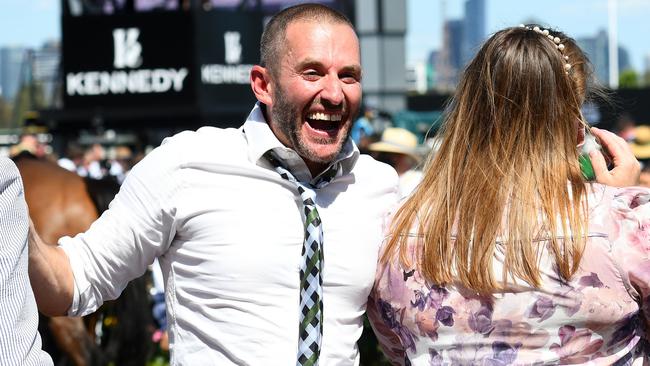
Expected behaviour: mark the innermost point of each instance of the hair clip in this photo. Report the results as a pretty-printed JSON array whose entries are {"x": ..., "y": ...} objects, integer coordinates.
[{"x": 556, "y": 40}]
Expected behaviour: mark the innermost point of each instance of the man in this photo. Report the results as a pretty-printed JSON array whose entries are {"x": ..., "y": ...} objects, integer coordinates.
[
  {"x": 363, "y": 129},
  {"x": 220, "y": 210},
  {"x": 20, "y": 343},
  {"x": 229, "y": 230}
]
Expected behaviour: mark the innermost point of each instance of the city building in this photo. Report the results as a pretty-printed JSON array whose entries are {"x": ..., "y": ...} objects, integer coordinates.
[
  {"x": 461, "y": 38},
  {"x": 11, "y": 63},
  {"x": 597, "y": 49},
  {"x": 381, "y": 26},
  {"x": 417, "y": 77},
  {"x": 46, "y": 63},
  {"x": 473, "y": 28},
  {"x": 450, "y": 61}
]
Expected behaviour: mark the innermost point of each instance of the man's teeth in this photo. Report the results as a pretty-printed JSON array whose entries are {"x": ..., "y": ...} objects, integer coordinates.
[{"x": 324, "y": 116}]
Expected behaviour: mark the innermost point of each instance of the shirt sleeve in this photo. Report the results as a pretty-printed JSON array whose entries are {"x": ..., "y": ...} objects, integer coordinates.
[
  {"x": 630, "y": 233},
  {"x": 138, "y": 227}
]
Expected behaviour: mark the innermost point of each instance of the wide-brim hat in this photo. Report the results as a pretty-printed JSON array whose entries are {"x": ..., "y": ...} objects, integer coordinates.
[
  {"x": 641, "y": 144},
  {"x": 399, "y": 141}
]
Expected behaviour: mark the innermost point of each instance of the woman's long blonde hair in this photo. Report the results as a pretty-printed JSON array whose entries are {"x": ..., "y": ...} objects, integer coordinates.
[{"x": 506, "y": 171}]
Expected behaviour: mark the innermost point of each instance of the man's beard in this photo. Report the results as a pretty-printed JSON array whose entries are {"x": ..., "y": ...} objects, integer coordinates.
[{"x": 288, "y": 119}]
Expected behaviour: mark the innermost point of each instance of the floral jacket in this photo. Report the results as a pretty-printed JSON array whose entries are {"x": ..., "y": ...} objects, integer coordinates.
[{"x": 597, "y": 318}]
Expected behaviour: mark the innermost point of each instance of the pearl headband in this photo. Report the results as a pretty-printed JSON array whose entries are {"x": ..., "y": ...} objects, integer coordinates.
[{"x": 556, "y": 40}]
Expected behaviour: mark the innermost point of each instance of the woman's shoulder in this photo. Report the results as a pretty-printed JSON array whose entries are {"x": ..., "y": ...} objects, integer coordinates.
[
  {"x": 612, "y": 205},
  {"x": 622, "y": 215}
]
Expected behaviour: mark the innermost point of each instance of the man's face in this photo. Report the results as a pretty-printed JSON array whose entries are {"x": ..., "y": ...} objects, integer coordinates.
[{"x": 316, "y": 92}]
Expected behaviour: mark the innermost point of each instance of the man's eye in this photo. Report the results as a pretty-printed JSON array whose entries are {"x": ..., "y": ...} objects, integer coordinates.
[{"x": 349, "y": 78}]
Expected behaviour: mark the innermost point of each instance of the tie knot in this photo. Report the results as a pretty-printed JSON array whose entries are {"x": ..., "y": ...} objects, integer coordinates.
[{"x": 319, "y": 182}]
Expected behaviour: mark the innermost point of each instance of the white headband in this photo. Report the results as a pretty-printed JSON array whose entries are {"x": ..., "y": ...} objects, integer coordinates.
[{"x": 556, "y": 41}]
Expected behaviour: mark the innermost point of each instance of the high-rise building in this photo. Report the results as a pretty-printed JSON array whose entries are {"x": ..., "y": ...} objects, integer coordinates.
[
  {"x": 473, "y": 28},
  {"x": 461, "y": 39},
  {"x": 381, "y": 25},
  {"x": 597, "y": 50},
  {"x": 451, "y": 55},
  {"x": 11, "y": 64},
  {"x": 417, "y": 77},
  {"x": 45, "y": 71}
]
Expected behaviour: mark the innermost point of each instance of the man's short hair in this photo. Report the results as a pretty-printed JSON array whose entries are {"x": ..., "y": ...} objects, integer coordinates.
[{"x": 273, "y": 37}]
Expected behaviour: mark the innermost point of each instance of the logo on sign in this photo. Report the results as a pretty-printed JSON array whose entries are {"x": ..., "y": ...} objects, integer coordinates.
[
  {"x": 232, "y": 72},
  {"x": 127, "y": 49},
  {"x": 233, "y": 47},
  {"x": 128, "y": 54}
]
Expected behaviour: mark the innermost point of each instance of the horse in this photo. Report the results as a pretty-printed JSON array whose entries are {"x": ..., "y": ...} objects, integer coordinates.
[{"x": 61, "y": 203}]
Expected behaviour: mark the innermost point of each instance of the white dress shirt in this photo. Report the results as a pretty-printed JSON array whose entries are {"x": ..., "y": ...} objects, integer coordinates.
[
  {"x": 228, "y": 231},
  {"x": 20, "y": 343}
]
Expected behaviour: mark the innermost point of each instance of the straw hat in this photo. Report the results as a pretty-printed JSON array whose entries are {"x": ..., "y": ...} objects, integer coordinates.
[
  {"x": 397, "y": 140},
  {"x": 641, "y": 144}
]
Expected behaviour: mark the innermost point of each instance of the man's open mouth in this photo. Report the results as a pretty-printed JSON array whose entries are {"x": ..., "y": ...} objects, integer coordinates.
[{"x": 326, "y": 122}]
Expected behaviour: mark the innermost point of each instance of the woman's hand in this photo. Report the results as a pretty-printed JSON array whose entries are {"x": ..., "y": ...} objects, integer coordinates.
[{"x": 626, "y": 168}]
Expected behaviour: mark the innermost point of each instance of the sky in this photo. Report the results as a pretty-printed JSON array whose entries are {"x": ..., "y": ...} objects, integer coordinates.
[
  {"x": 32, "y": 22},
  {"x": 577, "y": 18}
]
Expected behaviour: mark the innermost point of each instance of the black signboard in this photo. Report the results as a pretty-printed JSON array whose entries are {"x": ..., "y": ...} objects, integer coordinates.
[
  {"x": 130, "y": 60},
  {"x": 227, "y": 48}
]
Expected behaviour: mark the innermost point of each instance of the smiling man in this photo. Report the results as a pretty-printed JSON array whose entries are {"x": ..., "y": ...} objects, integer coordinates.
[
  {"x": 267, "y": 235},
  {"x": 314, "y": 93}
]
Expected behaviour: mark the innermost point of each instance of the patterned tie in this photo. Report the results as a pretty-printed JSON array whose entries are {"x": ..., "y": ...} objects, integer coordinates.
[{"x": 311, "y": 268}]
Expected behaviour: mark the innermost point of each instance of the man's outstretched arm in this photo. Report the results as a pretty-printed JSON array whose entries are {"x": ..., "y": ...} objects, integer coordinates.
[{"x": 50, "y": 274}]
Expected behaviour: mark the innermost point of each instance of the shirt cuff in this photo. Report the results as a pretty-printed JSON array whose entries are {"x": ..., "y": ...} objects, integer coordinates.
[{"x": 81, "y": 283}]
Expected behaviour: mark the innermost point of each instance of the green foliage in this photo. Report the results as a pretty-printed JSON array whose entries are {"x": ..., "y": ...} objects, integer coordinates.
[
  {"x": 28, "y": 98},
  {"x": 646, "y": 79},
  {"x": 159, "y": 361},
  {"x": 628, "y": 79},
  {"x": 5, "y": 114},
  {"x": 369, "y": 350}
]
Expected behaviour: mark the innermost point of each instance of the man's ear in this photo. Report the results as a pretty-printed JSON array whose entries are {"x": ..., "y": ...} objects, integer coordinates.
[{"x": 261, "y": 84}]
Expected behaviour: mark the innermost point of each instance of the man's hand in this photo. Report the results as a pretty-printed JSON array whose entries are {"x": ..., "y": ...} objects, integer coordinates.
[{"x": 626, "y": 168}]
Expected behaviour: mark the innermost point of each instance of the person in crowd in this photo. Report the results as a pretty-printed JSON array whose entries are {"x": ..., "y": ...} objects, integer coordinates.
[
  {"x": 640, "y": 145},
  {"x": 505, "y": 254},
  {"x": 120, "y": 162},
  {"x": 363, "y": 129},
  {"x": 73, "y": 158},
  {"x": 398, "y": 148},
  {"x": 625, "y": 127},
  {"x": 252, "y": 227},
  {"x": 94, "y": 162},
  {"x": 20, "y": 343},
  {"x": 29, "y": 143}
]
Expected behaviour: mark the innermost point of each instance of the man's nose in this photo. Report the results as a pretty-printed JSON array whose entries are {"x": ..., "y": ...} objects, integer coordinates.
[{"x": 332, "y": 92}]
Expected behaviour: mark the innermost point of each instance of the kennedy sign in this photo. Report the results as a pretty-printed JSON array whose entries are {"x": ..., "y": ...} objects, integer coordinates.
[
  {"x": 197, "y": 61},
  {"x": 228, "y": 44},
  {"x": 129, "y": 60},
  {"x": 127, "y": 54},
  {"x": 233, "y": 72}
]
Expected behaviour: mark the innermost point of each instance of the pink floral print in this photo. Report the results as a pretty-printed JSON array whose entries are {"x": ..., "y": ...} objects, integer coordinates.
[{"x": 596, "y": 318}]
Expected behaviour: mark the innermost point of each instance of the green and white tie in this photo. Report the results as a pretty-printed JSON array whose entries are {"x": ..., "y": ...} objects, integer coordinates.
[{"x": 311, "y": 268}]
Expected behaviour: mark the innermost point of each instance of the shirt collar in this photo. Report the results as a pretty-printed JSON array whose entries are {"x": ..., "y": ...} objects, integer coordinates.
[{"x": 261, "y": 139}]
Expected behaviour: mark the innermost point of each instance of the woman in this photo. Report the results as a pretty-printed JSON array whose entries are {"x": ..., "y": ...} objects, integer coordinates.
[{"x": 505, "y": 255}]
